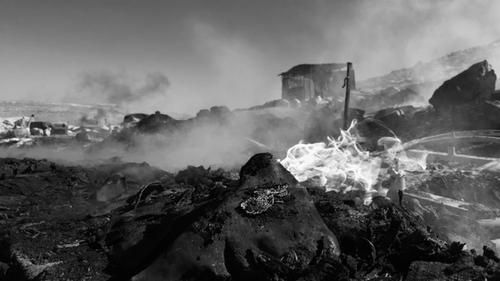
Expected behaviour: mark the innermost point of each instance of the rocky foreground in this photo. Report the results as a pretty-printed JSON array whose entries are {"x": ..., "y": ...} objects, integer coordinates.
[{"x": 142, "y": 223}]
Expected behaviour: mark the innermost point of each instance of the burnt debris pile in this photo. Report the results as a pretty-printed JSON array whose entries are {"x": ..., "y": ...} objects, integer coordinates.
[{"x": 203, "y": 224}]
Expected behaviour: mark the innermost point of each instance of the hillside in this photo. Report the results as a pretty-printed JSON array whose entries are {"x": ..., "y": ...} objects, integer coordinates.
[{"x": 436, "y": 70}]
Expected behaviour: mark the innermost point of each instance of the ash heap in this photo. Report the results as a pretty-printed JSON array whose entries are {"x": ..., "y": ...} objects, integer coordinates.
[{"x": 380, "y": 185}]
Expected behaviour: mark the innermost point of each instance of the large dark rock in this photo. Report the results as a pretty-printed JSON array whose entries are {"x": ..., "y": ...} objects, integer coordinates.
[
  {"x": 267, "y": 228},
  {"x": 475, "y": 84},
  {"x": 157, "y": 122}
]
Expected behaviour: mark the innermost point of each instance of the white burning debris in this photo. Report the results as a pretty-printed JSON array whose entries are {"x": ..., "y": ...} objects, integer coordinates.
[
  {"x": 342, "y": 165},
  {"x": 333, "y": 163}
]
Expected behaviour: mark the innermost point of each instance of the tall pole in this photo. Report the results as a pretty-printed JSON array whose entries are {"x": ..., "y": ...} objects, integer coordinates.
[{"x": 347, "y": 96}]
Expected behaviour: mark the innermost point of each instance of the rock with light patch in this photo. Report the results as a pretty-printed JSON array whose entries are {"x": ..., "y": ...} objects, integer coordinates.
[{"x": 226, "y": 242}]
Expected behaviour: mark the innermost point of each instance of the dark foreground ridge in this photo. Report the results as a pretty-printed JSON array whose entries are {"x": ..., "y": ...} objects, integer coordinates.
[{"x": 141, "y": 223}]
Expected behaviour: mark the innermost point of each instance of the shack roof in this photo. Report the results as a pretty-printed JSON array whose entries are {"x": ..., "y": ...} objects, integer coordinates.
[{"x": 307, "y": 69}]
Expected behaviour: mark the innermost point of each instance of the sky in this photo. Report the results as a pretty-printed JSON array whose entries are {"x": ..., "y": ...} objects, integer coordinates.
[{"x": 182, "y": 56}]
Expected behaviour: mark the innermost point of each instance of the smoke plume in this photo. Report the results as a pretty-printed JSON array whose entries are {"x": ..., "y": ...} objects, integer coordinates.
[{"x": 119, "y": 88}]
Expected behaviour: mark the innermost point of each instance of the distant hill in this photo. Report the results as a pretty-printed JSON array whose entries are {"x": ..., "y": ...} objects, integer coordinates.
[
  {"x": 57, "y": 112},
  {"x": 67, "y": 112},
  {"x": 435, "y": 71},
  {"x": 415, "y": 85}
]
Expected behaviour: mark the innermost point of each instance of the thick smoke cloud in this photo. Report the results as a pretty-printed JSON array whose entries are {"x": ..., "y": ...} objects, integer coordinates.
[
  {"x": 381, "y": 36},
  {"x": 119, "y": 88},
  {"x": 377, "y": 36},
  {"x": 227, "y": 143}
]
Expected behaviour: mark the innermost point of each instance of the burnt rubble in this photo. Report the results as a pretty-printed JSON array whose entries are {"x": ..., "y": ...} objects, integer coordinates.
[
  {"x": 193, "y": 226},
  {"x": 467, "y": 101}
]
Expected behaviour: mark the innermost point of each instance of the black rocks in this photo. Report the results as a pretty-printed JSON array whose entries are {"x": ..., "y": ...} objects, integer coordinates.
[
  {"x": 284, "y": 240},
  {"x": 473, "y": 85}
]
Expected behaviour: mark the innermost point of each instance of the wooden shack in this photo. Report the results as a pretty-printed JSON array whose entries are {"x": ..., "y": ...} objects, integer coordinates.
[{"x": 307, "y": 81}]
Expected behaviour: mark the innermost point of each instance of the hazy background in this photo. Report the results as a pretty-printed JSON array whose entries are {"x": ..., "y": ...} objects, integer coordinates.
[{"x": 185, "y": 55}]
